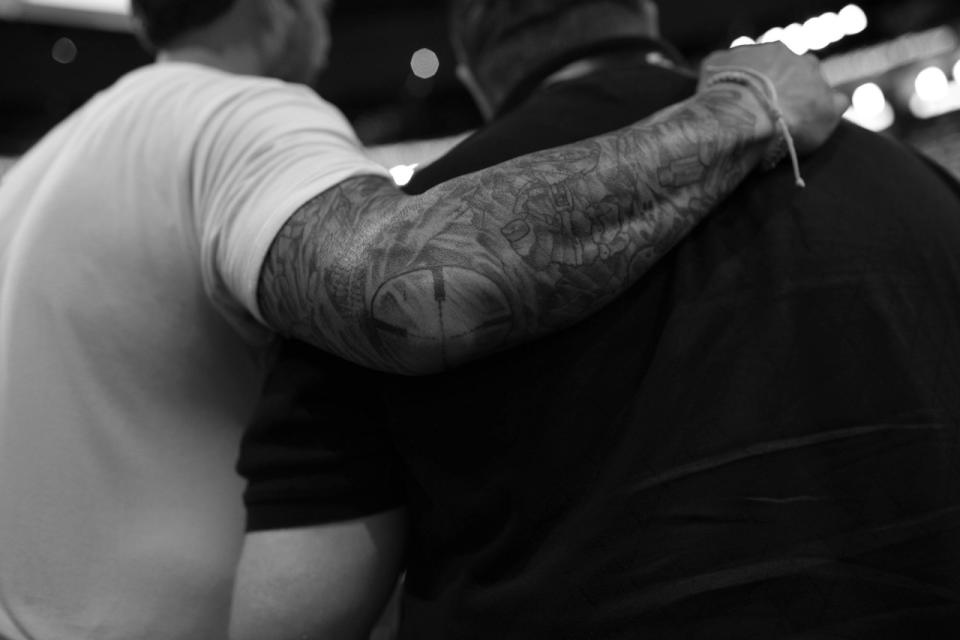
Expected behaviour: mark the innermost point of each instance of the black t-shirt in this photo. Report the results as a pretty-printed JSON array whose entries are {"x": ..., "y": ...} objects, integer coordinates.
[{"x": 760, "y": 439}]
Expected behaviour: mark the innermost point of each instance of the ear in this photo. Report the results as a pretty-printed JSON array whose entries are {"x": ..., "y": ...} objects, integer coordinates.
[
  {"x": 468, "y": 80},
  {"x": 651, "y": 15},
  {"x": 141, "y": 34},
  {"x": 275, "y": 18}
]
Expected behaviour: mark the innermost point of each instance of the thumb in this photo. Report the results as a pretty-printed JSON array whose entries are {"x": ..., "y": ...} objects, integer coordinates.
[{"x": 840, "y": 102}]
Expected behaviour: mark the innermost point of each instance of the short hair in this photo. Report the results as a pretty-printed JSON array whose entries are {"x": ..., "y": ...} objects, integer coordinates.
[
  {"x": 503, "y": 42},
  {"x": 163, "y": 21}
]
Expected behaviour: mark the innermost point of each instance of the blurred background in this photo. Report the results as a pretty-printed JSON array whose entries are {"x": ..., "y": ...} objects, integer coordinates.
[{"x": 392, "y": 70}]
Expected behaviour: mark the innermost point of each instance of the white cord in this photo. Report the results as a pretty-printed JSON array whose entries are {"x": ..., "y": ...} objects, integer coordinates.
[{"x": 767, "y": 92}]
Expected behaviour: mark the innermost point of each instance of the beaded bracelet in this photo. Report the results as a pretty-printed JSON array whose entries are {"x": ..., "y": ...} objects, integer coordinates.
[{"x": 765, "y": 90}]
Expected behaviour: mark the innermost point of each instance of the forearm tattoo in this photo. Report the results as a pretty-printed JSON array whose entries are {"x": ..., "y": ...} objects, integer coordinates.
[{"x": 502, "y": 256}]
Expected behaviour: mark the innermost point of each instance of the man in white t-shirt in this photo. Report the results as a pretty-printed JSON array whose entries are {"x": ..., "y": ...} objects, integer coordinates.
[{"x": 153, "y": 243}]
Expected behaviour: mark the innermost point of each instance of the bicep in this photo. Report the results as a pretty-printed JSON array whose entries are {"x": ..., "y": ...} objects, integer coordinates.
[
  {"x": 314, "y": 284},
  {"x": 327, "y": 581},
  {"x": 382, "y": 279}
]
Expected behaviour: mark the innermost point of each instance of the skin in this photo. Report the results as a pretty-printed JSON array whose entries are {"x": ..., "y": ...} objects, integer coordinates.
[
  {"x": 535, "y": 237},
  {"x": 489, "y": 91},
  {"x": 284, "y": 39},
  {"x": 329, "y": 581},
  {"x": 307, "y": 46},
  {"x": 500, "y": 256},
  {"x": 416, "y": 285},
  {"x": 420, "y": 284}
]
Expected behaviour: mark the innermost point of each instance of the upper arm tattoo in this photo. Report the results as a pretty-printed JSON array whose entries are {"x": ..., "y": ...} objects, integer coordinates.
[{"x": 482, "y": 262}]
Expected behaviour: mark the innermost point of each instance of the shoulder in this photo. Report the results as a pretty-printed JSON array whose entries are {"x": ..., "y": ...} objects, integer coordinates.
[{"x": 199, "y": 87}]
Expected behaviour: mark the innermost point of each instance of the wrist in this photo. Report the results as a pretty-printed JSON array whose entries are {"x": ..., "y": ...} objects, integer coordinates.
[
  {"x": 762, "y": 89},
  {"x": 764, "y": 133}
]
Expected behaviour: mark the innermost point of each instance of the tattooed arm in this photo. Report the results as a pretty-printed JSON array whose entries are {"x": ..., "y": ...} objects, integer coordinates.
[{"x": 419, "y": 284}]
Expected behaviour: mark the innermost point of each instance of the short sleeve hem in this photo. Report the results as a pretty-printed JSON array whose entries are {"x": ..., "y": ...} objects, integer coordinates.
[
  {"x": 249, "y": 275},
  {"x": 294, "y": 515}
]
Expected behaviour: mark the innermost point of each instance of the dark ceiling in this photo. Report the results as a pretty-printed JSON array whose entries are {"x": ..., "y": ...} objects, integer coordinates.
[{"x": 369, "y": 75}]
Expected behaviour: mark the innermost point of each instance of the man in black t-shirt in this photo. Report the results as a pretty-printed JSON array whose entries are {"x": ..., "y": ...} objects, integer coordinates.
[{"x": 758, "y": 440}]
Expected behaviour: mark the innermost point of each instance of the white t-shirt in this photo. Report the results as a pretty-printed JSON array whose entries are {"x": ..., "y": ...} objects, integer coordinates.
[{"x": 131, "y": 240}]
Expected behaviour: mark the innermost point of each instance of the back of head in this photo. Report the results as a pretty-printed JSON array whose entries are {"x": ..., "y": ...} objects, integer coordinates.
[
  {"x": 163, "y": 21},
  {"x": 504, "y": 42}
]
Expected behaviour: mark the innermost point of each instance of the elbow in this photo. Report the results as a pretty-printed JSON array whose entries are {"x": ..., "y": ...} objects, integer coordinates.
[{"x": 433, "y": 319}]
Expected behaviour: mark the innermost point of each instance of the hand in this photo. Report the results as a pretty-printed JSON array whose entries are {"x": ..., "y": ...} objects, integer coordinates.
[{"x": 810, "y": 107}]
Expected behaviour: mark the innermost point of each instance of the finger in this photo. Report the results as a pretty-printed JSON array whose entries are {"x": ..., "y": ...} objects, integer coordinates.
[
  {"x": 711, "y": 60},
  {"x": 777, "y": 47}
]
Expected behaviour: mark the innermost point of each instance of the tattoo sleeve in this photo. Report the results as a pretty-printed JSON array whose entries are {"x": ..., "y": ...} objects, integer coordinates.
[{"x": 416, "y": 285}]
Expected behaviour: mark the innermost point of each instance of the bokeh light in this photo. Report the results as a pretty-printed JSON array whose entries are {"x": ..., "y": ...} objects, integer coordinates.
[
  {"x": 403, "y": 173},
  {"x": 869, "y": 108},
  {"x": 773, "y": 35},
  {"x": 120, "y": 7},
  {"x": 932, "y": 84},
  {"x": 64, "y": 51},
  {"x": 868, "y": 100},
  {"x": 424, "y": 63},
  {"x": 796, "y": 39},
  {"x": 853, "y": 20}
]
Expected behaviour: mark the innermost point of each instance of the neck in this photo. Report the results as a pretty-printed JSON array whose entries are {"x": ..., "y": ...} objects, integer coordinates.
[
  {"x": 232, "y": 60},
  {"x": 230, "y": 43},
  {"x": 586, "y": 66},
  {"x": 573, "y": 70},
  {"x": 585, "y": 60}
]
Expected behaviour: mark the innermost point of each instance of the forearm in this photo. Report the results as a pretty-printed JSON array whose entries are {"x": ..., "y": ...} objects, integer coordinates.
[{"x": 505, "y": 255}]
